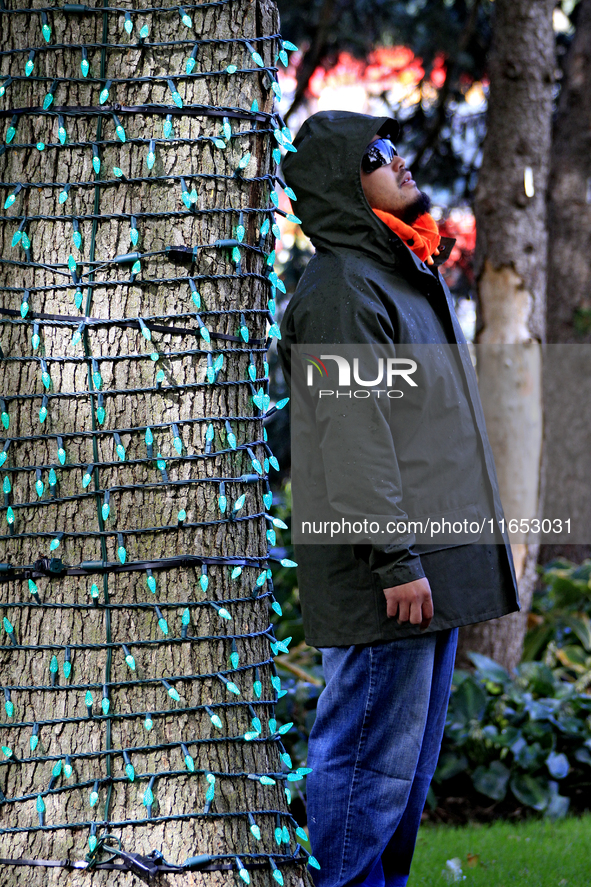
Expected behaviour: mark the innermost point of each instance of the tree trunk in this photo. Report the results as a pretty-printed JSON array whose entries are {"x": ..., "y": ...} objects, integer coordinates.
[
  {"x": 568, "y": 455},
  {"x": 61, "y": 619},
  {"x": 511, "y": 273}
]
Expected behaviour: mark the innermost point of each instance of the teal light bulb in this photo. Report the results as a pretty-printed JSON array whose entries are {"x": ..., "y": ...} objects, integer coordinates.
[
  {"x": 130, "y": 772},
  {"x": 84, "y": 67}
]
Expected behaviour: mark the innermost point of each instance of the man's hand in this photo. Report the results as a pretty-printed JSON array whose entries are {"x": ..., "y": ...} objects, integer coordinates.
[{"x": 411, "y": 602}]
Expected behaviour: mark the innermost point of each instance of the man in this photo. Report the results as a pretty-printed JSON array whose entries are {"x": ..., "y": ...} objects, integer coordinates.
[{"x": 385, "y": 615}]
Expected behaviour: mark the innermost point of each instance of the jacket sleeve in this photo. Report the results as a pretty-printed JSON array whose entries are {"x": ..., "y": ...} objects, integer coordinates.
[{"x": 354, "y": 436}]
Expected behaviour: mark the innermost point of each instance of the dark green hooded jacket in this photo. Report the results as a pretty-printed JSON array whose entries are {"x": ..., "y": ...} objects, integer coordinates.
[{"x": 365, "y": 286}]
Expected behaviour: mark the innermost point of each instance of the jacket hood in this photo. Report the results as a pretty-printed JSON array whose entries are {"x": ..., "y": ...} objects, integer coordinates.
[{"x": 325, "y": 175}]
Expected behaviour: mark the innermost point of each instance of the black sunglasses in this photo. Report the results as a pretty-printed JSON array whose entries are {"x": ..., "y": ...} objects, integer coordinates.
[{"x": 378, "y": 153}]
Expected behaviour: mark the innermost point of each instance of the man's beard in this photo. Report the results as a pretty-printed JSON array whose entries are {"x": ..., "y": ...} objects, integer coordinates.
[{"x": 421, "y": 205}]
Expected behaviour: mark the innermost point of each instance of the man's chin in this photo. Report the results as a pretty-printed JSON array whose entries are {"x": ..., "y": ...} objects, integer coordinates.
[{"x": 419, "y": 205}]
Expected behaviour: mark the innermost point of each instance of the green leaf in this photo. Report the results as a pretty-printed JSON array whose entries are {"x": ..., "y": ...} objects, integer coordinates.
[
  {"x": 489, "y": 669},
  {"x": 469, "y": 700},
  {"x": 491, "y": 781},
  {"x": 529, "y": 757},
  {"x": 450, "y": 765},
  {"x": 539, "y": 677},
  {"x": 583, "y": 755},
  {"x": 558, "y": 765},
  {"x": 581, "y": 625},
  {"x": 558, "y": 804},
  {"x": 531, "y": 791}
]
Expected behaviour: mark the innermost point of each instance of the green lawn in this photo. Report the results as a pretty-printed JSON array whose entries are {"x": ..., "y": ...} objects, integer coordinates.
[{"x": 536, "y": 854}]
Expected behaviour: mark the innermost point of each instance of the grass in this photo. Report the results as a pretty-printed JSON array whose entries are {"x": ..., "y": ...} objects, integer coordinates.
[{"x": 535, "y": 853}]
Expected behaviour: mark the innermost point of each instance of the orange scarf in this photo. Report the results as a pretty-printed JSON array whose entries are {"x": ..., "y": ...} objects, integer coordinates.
[{"x": 422, "y": 237}]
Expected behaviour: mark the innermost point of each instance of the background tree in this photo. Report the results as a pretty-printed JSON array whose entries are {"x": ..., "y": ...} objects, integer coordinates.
[
  {"x": 107, "y": 431},
  {"x": 569, "y": 288},
  {"x": 511, "y": 248}
]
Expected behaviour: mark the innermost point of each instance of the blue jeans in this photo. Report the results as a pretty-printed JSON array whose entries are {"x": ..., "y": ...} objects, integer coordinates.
[{"x": 373, "y": 749}]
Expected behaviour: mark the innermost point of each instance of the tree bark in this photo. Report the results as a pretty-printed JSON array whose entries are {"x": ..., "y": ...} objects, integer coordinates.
[
  {"x": 511, "y": 275},
  {"x": 566, "y": 409},
  {"x": 126, "y": 614}
]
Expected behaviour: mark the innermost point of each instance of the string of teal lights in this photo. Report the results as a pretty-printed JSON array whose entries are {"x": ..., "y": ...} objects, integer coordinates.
[{"x": 41, "y": 458}]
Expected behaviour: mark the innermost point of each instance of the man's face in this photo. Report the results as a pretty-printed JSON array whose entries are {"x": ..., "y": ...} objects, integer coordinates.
[{"x": 391, "y": 188}]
